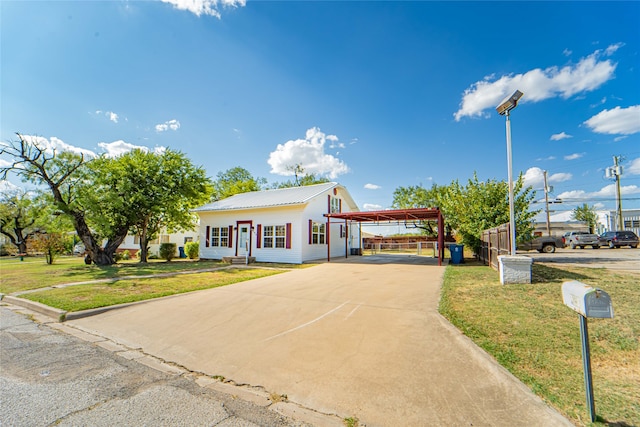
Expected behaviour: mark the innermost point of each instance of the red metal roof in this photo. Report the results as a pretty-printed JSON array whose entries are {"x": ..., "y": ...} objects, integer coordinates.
[{"x": 414, "y": 214}]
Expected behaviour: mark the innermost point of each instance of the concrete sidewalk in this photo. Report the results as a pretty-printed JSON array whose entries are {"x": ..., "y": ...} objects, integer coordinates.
[{"x": 356, "y": 338}]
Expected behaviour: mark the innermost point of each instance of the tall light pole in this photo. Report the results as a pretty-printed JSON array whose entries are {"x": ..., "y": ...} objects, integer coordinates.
[
  {"x": 546, "y": 201},
  {"x": 504, "y": 109}
]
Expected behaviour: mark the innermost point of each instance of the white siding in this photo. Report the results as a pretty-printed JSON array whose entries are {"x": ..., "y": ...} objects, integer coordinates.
[
  {"x": 154, "y": 248},
  {"x": 218, "y": 219}
]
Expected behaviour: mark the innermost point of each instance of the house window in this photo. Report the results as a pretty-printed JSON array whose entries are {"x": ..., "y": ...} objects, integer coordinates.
[
  {"x": 318, "y": 233},
  {"x": 274, "y": 236},
  {"x": 335, "y": 205},
  {"x": 220, "y": 237},
  {"x": 164, "y": 238},
  {"x": 188, "y": 239}
]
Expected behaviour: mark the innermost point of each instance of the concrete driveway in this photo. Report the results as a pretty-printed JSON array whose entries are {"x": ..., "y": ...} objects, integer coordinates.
[{"x": 358, "y": 338}]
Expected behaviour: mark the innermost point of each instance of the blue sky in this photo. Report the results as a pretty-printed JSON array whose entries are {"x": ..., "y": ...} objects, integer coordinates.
[{"x": 371, "y": 94}]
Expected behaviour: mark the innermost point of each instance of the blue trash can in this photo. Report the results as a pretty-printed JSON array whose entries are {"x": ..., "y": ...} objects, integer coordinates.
[
  {"x": 457, "y": 254},
  {"x": 181, "y": 251}
]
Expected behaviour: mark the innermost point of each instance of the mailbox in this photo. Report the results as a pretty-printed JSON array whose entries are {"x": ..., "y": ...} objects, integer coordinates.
[{"x": 588, "y": 301}]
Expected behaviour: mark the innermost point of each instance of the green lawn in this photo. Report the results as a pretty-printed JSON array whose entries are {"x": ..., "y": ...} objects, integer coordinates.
[
  {"x": 34, "y": 272},
  {"x": 529, "y": 330},
  {"x": 83, "y": 297}
]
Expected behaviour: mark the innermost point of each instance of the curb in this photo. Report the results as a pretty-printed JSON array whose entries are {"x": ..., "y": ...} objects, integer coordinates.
[{"x": 55, "y": 313}]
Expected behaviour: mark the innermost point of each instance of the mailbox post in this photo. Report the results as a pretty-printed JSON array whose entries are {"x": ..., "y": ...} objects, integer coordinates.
[{"x": 587, "y": 302}]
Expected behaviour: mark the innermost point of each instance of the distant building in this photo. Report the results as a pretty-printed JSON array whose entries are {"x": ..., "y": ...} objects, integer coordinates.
[
  {"x": 630, "y": 218},
  {"x": 607, "y": 221},
  {"x": 131, "y": 243}
]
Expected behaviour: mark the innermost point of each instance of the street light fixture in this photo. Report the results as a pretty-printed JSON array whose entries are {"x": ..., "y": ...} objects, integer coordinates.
[{"x": 504, "y": 109}]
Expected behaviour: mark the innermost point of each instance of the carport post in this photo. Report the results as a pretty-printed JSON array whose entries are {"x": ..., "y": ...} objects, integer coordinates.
[
  {"x": 346, "y": 239},
  {"x": 328, "y": 239},
  {"x": 440, "y": 237}
]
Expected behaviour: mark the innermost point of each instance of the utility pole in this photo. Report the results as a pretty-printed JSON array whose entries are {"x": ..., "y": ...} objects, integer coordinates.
[
  {"x": 546, "y": 201},
  {"x": 615, "y": 171}
]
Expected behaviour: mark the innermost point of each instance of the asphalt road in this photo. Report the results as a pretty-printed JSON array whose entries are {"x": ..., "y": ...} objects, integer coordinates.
[
  {"x": 622, "y": 259},
  {"x": 51, "y": 378}
]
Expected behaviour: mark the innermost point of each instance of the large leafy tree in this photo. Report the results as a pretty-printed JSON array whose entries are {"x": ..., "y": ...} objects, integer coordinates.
[
  {"x": 156, "y": 191},
  {"x": 472, "y": 208},
  {"x": 235, "y": 181},
  {"x": 66, "y": 175},
  {"x": 587, "y": 214},
  {"x": 480, "y": 205}
]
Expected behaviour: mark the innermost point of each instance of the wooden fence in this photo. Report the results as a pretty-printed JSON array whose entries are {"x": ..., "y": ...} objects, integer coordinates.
[{"x": 495, "y": 242}]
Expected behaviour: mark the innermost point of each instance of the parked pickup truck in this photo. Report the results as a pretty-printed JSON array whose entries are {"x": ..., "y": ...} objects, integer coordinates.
[
  {"x": 581, "y": 239},
  {"x": 546, "y": 244}
]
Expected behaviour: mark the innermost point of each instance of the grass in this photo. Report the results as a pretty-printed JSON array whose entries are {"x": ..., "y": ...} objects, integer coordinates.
[
  {"x": 34, "y": 273},
  {"x": 529, "y": 331},
  {"x": 83, "y": 297}
]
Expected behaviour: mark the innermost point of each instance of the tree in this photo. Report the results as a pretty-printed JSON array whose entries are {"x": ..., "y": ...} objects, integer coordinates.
[
  {"x": 51, "y": 244},
  {"x": 472, "y": 208},
  {"x": 479, "y": 206},
  {"x": 66, "y": 175},
  {"x": 301, "y": 178},
  {"x": 21, "y": 216},
  {"x": 419, "y": 197},
  {"x": 157, "y": 191},
  {"x": 587, "y": 214},
  {"x": 235, "y": 181}
]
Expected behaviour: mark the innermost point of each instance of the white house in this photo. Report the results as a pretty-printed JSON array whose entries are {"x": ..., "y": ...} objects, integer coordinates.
[{"x": 283, "y": 225}]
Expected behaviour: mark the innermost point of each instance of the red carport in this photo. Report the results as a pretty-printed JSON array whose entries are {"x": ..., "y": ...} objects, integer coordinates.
[{"x": 389, "y": 216}]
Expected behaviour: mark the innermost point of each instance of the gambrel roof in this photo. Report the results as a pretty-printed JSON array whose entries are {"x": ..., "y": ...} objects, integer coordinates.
[{"x": 276, "y": 198}]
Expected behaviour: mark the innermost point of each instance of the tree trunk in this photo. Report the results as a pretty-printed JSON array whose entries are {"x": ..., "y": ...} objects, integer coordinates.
[
  {"x": 144, "y": 251},
  {"x": 144, "y": 243}
]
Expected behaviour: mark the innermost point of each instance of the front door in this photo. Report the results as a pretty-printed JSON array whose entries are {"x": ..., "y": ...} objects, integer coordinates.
[{"x": 243, "y": 239}]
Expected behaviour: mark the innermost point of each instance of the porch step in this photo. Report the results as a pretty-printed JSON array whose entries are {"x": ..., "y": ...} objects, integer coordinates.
[{"x": 238, "y": 259}]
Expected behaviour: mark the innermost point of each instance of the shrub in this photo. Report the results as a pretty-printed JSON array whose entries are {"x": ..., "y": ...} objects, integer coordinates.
[
  {"x": 167, "y": 251},
  {"x": 192, "y": 249},
  {"x": 123, "y": 255}
]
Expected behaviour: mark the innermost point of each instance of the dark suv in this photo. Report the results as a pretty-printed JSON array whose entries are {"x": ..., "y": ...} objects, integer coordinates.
[{"x": 615, "y": 239}]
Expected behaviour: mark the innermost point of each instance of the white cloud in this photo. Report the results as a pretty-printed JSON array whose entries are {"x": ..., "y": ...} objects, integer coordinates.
[
  {"x": 567, "y": 52},
  {"x": 560, "y": 136},
  {"x": 560, "y": 177},
  {"x": 55, "y": 145},
  {"x": 624, "y": 121},
  {"x": 309, "y": 153},
  {"x": 371, "y": 207},
  {"x": 372, "y": 187},
  {"x": 5, "y": 164},
  {"x": 573, "y": 156},
  {"x": 611, "y": 49},
  {"x": 205, "y": 7},
  {"x": 607, "y": 191},
  {"x": 634, "y": 167},
  {"x": 170, "y": 124},
  {"x": 546, "y": 158},
  {"x": 109, "y": 114},
  {"x": 117, "y": 148},
  {"x": 112, "y": 116},
  {"x": 7, "y": 187},
  {"x": 535, "y": 178},
  {"x": 537, "y": 85}
]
